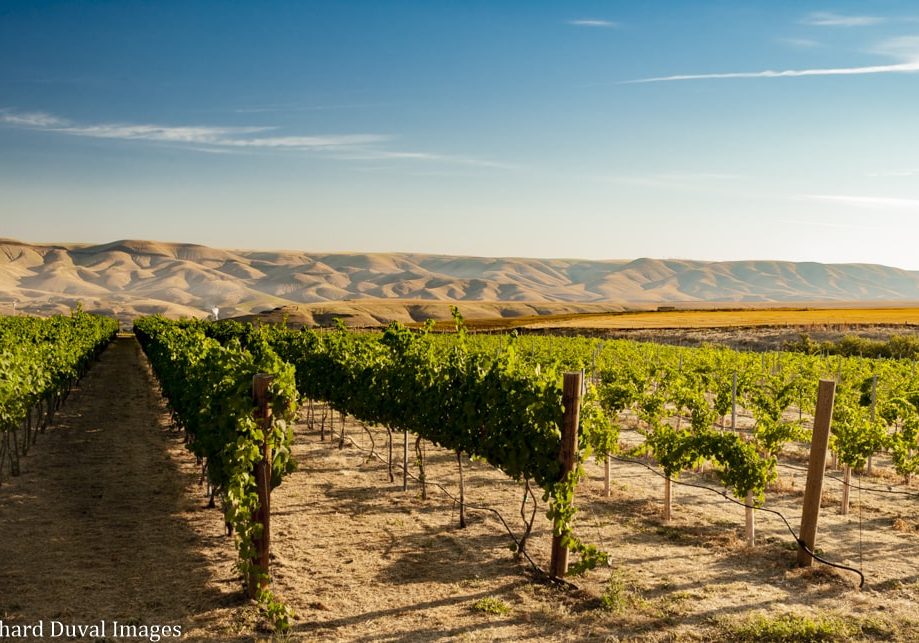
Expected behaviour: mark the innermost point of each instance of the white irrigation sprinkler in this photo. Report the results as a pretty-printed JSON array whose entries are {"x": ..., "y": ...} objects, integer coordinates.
[{"x": 216, "y": 312}]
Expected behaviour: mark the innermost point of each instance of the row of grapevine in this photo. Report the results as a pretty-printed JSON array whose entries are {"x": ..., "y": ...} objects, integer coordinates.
[
  {"x": 40, "y": 360},
  {"x": 209, "y": 388}
]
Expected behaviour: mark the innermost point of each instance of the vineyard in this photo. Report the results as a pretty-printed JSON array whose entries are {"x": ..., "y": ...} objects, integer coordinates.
[
  {"x": 40, "y": 360},
  {"x": 682, "y": 487},
  {"x": 499, "y": 400}
]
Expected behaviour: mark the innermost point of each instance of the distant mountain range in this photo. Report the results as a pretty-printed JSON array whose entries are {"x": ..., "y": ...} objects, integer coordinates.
[{"x": 141, "y": 277}]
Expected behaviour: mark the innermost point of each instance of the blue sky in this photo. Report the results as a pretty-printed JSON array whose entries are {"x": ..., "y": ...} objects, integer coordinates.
[{"x": 611, "y": 130}]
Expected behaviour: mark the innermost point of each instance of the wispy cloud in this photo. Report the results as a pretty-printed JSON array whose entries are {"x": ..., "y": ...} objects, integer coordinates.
[
  {"x": 295, "y": 107},
  {"x": 801, "y": 43},
  {"x": 196, "y": 134},
  {"x": 872, "y": 202},
  {"x": 217, "y": 139},
  {"x": 905, "y": 49},
  {"x": 899, "y": 68},
  {"x": 30, "y": 119},
  {"x": 376, "y": 155},
  {"x": 192, "y": 134},
  {"x": 308, "y": 142},
  {"x": 829, "y": 19},
  {"x": 593, "y": 23}
]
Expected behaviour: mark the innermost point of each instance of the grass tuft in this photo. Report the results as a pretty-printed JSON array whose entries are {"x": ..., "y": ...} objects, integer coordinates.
[
  {"x": 492, "y": 605},
  {"x": 794, "y": 628},
  {"x": 621, "y": 594}
]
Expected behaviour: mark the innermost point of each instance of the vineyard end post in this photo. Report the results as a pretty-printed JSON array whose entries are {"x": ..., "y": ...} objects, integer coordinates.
[
  {"x": 814, "y": 489},
  {"x": 571, "y": 400},
  {"x": 259, "y": 578}
]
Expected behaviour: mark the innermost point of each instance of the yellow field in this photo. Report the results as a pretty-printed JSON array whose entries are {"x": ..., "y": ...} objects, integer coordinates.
[
  {"x": 704, "y": 319},
  {"x": 732, "y": 318}
]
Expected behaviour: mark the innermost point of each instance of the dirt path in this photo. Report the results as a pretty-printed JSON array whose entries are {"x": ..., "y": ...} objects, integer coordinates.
[{"x": 107, "y": 521}]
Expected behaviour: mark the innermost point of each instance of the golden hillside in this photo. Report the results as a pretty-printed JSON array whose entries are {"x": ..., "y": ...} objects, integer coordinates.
[{"x": 130, "y": 278}]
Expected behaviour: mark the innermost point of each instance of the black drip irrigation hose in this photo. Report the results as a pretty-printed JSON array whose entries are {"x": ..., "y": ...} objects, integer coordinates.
[
  {"x": 543, "y": 574},
  {"x": 724, "y": 494},
  {"x": 842, "y": 481},
  {"x": 565, "y": 583}
]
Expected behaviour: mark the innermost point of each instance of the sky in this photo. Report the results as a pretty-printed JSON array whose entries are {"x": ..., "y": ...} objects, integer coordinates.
[{"x": 602, "y": 130}]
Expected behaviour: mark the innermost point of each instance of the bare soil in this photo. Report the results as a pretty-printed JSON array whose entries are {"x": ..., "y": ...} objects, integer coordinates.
[
  {"x": 107, "y": 521},
  {"x": 384, "y": 565}
]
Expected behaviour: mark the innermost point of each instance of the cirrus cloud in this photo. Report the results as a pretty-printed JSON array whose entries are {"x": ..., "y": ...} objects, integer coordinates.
[
  {"x": 904, "y": 49},
  {"x": 607, "y": 24},
  {"x": 217, "y": 139},
  {"x": 898, "y": 68},
  {"x": 830, "y": 19},
  {"x": 218, "y": 136}
]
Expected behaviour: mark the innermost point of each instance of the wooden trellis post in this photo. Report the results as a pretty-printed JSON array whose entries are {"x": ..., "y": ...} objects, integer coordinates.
[
  {"x": 259, "y": 578},
  {"x": 814, "y": 489},
  {"x": 571, "y": 400}
]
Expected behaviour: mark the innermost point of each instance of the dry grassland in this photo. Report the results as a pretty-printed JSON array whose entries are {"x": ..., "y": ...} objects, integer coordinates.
[{"x": 693, "y": 319}]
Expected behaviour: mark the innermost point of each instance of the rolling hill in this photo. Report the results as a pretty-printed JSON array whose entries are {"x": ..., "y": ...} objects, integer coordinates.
[{"x": 130, "y": 278}]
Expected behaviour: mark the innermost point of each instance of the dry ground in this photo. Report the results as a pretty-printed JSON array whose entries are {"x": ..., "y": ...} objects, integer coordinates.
[
  {"x": 108, "y": 521},
  {"x": 381, "y": 564}
]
